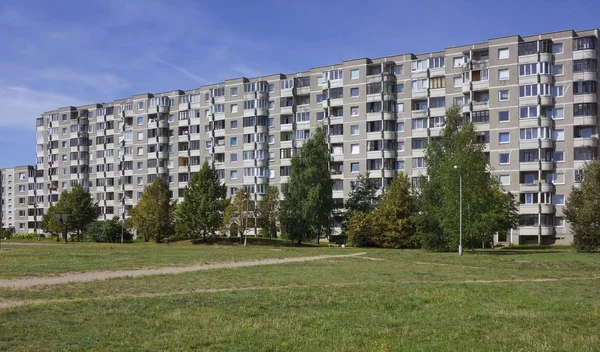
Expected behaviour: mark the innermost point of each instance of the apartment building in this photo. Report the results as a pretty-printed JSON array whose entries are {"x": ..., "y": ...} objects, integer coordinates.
[
  {"x": 19, "y": 207},
  {"x": 533, "y": 99}
]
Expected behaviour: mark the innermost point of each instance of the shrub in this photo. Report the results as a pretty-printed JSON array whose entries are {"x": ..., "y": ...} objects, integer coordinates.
[{"x": 5, "y": 234}]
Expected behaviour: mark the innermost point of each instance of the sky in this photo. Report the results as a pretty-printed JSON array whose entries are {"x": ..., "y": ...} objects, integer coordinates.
[{"x": 73, "y": 52}]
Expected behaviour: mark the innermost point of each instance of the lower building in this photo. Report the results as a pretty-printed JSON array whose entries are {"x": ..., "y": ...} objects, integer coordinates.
[{"x": 21, "y": 212}]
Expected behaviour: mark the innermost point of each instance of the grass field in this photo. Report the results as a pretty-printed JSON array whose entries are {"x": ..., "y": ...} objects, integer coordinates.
[{"x": 385, "y": 300}]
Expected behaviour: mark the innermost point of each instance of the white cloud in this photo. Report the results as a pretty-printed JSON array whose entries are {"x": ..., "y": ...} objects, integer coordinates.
[
  {"x": 104, "y": 82},
  {"x": 180, "y": 69},
  {"x": 20, "y": 106}
]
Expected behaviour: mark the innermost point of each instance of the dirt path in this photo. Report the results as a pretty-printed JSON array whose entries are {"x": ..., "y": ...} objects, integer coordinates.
[
  {"x": 108, "y": 274},
  {"x": 19, "y": 303}
]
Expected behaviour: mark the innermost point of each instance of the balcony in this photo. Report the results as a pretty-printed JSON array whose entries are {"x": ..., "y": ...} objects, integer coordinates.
[
  {"x": 529, "y": 187},
  {"x": 529, "y": 165},
  {"x": 546, "y": 165},
  {"x": 529, "y": 208},
  {"x": 585, "y": 120},
  {"x": 584, "y": 54},
  {"x": 287, "y": 127},
  {"x": 419, "y": 94},
  {"x": 584, "y": 76},
  {"x": 466, "y": 108},
  {"x": 546, "y": 100},
  {"x": 466, "y": 87},
  {"x": 546, "y": 187},
  {"x": 480, "y": 85},
  {"x": 389, "y": 173},
  {"x": 419, "y": 113},
  {"x": 585, "y": 98},
  {"x": 547, "y": 208},
  {"x": 480, "y": 105},
  {"x": 585, "y": 142}
]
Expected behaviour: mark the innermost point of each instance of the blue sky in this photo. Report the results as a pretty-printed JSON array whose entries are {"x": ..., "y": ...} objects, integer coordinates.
[{"x": 59, "y": 53}]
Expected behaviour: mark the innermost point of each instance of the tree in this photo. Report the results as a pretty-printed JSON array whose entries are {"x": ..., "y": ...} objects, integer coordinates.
[
  {"x": 108, "y": 231},
  {"x": 268, "y": 212},
  {"x": 238, "y": 214},
  {"x": 390, "y": 225},
  {"x": 487, "y": 208},
  {"x": 80, "y": 208},
  {"x": 49, "y": 225},
  {"x": 362, "y": 199},
  {"x": 582, "y": 210},
  {"x": 204, "y": 201},
  {"x": 152, "y": 217},
  {"x": 306, "y": 209}
]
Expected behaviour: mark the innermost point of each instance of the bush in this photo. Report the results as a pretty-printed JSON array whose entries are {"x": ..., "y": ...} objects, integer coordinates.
[
  {"x": 107, "y": 231},
  {"x": 338, "y": 239},
  {"x": 5, "y": 234},
  {"x": 24, "y": 236}
]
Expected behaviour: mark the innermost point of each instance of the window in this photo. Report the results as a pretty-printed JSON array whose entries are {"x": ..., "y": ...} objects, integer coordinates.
[
  {"x": 400, "y": 146},
  {"x": 233, "y": 108},
  {"x": 578, "y": 175},
  {"x": 436, "y": 62},
  {"x": 457, "y": 82},
  {"x": 558, "y": 70},
  {"x": 503, "y": 116},
  {"x": 140, "y": 120},
  {"x": 354, "y": 149},
  {"x": 503, "y": 137},
  {"x": 557, "y": 91},
  {"x": 504, "y": 180},
  {"x": 503, "y": 95},
  {"x": 419, "y": 124},
  {"x": 233, "y": 157},
  {"x": 437, "y": 82},
  {"x": 585, "y": 43},
  {"x": 233, "y": 174},
  {"x": 400, "y": 88},
  {"x": 400, "y": 127},
  {"x": 558, "y": 135},
  {"x": 558, "y": 199},
  {"x": 400, "y": 165},
  {"x": 528, "y": 111},
  {"x": 584, "y": 87},
  {"x": 271, "y": 139},
  {"x": 354, "y": 111},
  {"x": 140, "y": 136},
  {"x": 398, "y": 69},
  {"x": 400, "y": 107},
  {"x": 527, "y": 69},
  {"x": 529, "y": 90},
  {"x": 355, "y": 167},
  {"x": 559, "y": 221},
  {"x": 503, "y": 53},
  {"x": 557, "y": 178},
  {"x": 439, "y": 102},
  {"x": 503, "y": 74},
  {"x": 528, "y": 133},
  {"x": 354, "y": 74},
  {"x": 559, "y": 157},
  {"x": 354, "y": 130},
  {"x": 557, "y": 48},
  {"x": 584, "y": 109},
  {"x": 458, "y": 61},
  {"x": 233, "y": 91},
  {"x": 419, "y": 65},
  {"x": 354, "y": 92},
  {"x": 233, "y": 141},
  {"x": 420, "y": 84},
  {"x": 556, "y": 113},
  {"x": 140, "y": 105},
  {"x": 504, "y": 158},
  {"x": 233, "y": 124},
  {"x": 585, "y": 65}
]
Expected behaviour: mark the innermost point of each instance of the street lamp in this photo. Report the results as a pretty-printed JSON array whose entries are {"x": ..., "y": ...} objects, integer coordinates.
[{"x": 457, "y": 167}]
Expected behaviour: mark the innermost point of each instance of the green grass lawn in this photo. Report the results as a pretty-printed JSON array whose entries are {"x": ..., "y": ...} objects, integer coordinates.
[
  {"x": 21, "y": 261},
  {"x": 409, "y": 301}
]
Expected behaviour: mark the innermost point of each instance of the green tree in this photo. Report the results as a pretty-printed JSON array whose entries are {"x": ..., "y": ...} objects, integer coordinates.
[
  {"x": 81, "y": 209},
  {"x": 362, "y": 199},
  {"x": 390, "y": 225},
  {"x": 483, "y": 198},
  {"x": 582, "y": 210},
  {"x": 49, "y": 225},
  {"x": 268, "y": 212},
  {"x": 152, "y": 217},
  {"x": 239, "y": 215},
  {"x": 305, "y": 212},
  {"x": 108, "y": 231},
  {"x": 203, "y": 205}
]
